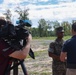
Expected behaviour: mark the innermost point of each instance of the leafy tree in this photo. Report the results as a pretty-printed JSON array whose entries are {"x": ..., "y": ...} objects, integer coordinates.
[
  {"x": 56, "y": 24},
  {"x": 34, "y": 32},
  {"x": 42, "y": 28},
  {"x": 50, "y": 27},
  {"x": 49, "y": 23},
  {"x": 67, "y": 27},
  {"x": 23, "y": 14},
  {"x": 8, "y": 15}
]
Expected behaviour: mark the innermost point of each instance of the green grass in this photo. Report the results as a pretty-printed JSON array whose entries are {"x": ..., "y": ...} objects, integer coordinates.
[
  {"x": 66, "y": 37},
  {"x": 39, "y": 56},
  {"x": 50, "y": 38},
  {"x": 37, "y": 53},
  {"x": 43, "y": 38},
  {"x": 37, "y": 73}
]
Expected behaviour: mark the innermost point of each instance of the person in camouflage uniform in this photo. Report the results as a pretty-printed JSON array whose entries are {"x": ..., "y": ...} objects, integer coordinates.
[{"x": 58, "y": 67}]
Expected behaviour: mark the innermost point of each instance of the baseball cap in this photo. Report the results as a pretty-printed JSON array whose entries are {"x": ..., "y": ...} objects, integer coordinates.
[{"x": 59, "y": 29}]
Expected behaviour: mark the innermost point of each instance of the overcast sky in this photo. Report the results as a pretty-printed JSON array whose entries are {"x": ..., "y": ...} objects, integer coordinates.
[{"x": 61, "y": 10}]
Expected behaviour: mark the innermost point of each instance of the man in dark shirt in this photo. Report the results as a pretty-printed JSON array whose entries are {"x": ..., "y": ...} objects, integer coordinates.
[
  {"x": 69, "y": 52},
  {"x": 6, "y": 53}
]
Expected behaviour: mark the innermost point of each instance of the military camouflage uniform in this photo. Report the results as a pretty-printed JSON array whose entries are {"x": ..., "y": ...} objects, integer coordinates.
[{"x": 58, "y": 67}]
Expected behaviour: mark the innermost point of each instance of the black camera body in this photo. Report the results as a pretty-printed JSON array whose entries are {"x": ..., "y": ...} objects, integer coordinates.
[
  {"x": 21, "y": 32},
  {"x": 13, "y": 35}
]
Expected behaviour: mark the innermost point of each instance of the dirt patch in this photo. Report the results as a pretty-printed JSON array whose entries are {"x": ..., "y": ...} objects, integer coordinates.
[
  {"x": 38, "y": 45},
  {"x": 42, "y": 63}
]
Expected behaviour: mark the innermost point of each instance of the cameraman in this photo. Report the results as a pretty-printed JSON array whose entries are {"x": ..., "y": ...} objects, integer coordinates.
[{"x": 6, "y": 52}]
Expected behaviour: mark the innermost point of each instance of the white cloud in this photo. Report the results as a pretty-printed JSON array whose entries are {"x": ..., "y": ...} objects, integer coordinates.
[
  {"x": 65, "y": 0},
  {"x": 35, "y": 1},
  {"x": 59, "y": 12},
  {"x": 62, "y": 11},
  {"x": 12, "y": 1},
  {"x": 43, "y": 0}
]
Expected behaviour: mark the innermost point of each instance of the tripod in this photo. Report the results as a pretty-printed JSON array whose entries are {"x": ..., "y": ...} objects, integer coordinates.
[{"x": 16, "y": 63}]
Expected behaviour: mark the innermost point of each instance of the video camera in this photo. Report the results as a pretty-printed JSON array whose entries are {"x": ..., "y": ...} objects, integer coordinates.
[{"x": 15, "y": 35}]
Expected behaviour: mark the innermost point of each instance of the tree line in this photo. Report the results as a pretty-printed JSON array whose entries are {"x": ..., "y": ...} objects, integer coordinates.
[
  {"x": 47, "y": 28},
  {"x": 44, "y": 28}
]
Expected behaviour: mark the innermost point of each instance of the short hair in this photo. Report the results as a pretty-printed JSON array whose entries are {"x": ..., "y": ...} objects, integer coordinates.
[
  {"x": 2, "y": 22},
  {"x": 74, "y": 26}
]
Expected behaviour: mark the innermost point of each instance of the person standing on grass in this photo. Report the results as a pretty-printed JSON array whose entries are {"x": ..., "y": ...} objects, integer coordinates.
[
  {"x": 58, "y": 67},
  {"x": 69, "y": 52}
]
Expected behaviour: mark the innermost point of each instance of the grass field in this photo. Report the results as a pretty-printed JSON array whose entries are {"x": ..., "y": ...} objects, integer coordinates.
[
  {"x": 50, "y": 38},
  {"x": 42, "y": 63}
]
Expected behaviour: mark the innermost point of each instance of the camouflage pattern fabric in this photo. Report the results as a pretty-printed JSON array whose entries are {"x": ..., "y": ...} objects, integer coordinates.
[{"x": 58, "y": 67}]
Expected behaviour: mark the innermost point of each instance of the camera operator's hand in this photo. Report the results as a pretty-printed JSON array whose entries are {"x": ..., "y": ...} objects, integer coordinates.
[
  {"x": 29, "y": 39},
  {"x": 22, "y": 54}
]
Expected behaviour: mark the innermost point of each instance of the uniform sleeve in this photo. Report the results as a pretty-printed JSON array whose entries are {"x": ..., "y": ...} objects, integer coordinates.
[
  {"x": 51, "y": 48},
  {"x": 5, "y": 49}
]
